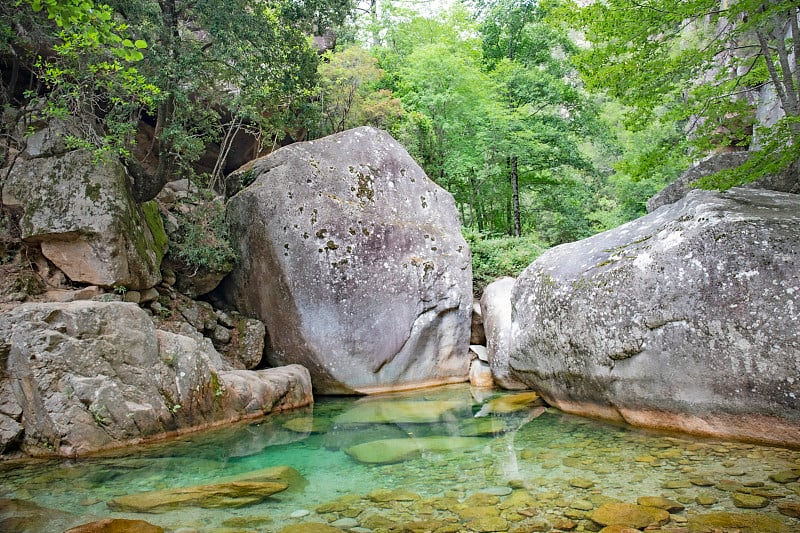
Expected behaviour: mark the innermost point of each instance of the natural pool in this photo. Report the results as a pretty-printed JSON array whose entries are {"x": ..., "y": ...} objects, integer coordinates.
[{"x": 516, "y": 469}]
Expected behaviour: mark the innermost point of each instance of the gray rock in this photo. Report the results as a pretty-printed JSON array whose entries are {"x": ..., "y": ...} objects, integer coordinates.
[
  {"x": 479, "y": 352},
  {"x": 85, "y": 220},
  {"x": 685, "y": 319},
  {"x": 245, "y": 347},
  {"x": 94, "y": 375},
  {"x": 354, "y": 260},
  {"x": 785, "y": 181},
  {"x": 496, "y": 312}
]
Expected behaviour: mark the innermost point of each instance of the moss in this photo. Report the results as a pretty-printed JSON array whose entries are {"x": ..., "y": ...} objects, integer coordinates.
[
  {"x": 92, "y": 191},
  {"x": 152, "y": 217}
]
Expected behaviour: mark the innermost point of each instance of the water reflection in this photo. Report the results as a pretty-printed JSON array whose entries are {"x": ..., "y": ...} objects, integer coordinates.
[{"x": 447, "y": 459}]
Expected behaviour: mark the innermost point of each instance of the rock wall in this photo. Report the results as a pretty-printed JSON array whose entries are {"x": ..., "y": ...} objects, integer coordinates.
[
  {"x": 86, "y": 376},
  {"x": 354, "y": 260},
  {"x": 685, "y": 319}
]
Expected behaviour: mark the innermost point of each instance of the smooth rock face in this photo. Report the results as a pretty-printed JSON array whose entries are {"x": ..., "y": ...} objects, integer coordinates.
[
  {"x": 93, "y": 375},
  {"x": 685, "y": 319},
  {"x": 496, "y": 312},
  {"x": 354, "y": 260},
  {"x": 85, "y": 220}
]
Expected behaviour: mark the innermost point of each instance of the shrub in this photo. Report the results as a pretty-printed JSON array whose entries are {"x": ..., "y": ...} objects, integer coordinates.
[
  {"x": 202, "y": 240},
  {"x": 497, "y": 256}
]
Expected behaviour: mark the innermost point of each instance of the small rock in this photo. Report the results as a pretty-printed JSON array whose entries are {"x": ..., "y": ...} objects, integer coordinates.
[
  {"x": 479, "y": 352},
  {"x": 582, "y": 505},
  {"x": 618, "y": 529},
  {"x": 221, "y": 334},
  {"x": 671, "y": 506},
  {"x": 785, "y": 476},
  {"x": 133, "y": 297},
  {"x": 488, "y": 524},
  {"x": 345, "y": 523},
  {"x": 626, "y": 514},
  {"x": 789, "y": 509},
  {"x": 581, "y": 483},
  {"x": 300, "y": 513},
  {"x": 701, "y": 481},
  {"x": 705, "y": 499},
  {"x": 749, "y": 501}
]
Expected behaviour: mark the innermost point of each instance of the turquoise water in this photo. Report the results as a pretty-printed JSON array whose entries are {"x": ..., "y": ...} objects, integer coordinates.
[{"x": 540, "y": 471}]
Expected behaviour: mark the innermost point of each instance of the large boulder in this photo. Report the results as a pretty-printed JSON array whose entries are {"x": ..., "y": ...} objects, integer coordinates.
[
  {"x": 354, "y": 260},
  {"x": 94, "y": 375},
  {"x": 685, "y": 319},
  {"x": 83, "y": 216},
  {"x": 496, "y": 311}
]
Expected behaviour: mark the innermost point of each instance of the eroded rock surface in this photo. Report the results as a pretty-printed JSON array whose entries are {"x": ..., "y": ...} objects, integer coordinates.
[
  {"x": 685, "y": 319},
  {"x": 354, "y": 260},
  {"x": 86, "y": 221},
  {"x": 86, "y": 376}
]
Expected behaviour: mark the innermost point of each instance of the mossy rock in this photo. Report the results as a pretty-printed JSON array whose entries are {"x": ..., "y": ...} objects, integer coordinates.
[
  {"x": 512, "y": 403},
  {"x": 117, "y": 525},
  {"x": 311, "y": 527}
]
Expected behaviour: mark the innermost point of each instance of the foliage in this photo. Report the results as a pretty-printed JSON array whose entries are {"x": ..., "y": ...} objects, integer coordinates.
[
  {"x": 203, "y": 239},
  {"x": 350, "y": 96},
  {"x": 699, "y": 63},
  {"x": 496, "y": 256}
]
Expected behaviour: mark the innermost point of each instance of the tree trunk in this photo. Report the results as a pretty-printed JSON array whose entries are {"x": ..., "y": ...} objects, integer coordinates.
[{"x": 514, "y": 163}]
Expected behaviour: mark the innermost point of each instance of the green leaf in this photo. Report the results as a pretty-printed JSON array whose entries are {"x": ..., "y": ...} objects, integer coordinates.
[{"x": 139, "y": 43}]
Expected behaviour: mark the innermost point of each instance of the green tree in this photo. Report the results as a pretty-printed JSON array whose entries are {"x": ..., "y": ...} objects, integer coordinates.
[
  {"x": 701, "y": 61},
  {"x": 546, "y": 114},
  {"x": 349, "y": 93}
]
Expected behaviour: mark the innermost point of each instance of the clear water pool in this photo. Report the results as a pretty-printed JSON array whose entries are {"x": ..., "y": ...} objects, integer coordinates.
[{"x": 520, "y": 471}]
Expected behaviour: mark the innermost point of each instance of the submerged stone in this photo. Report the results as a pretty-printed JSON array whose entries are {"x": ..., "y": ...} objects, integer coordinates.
[
  {"x": 627, "y": 514},
  {"x": 510, "y": 403},
  {"x": 671, "y": 506},
  {"x": 791, "y": 508},
  {"x": 311, "y": 527},
  {"x": 749, "y": 501},
  {"x": 117, "y": 525},
  {"x": 398, "y": 412},
  {"x": 237, "y": 491},
  {"x": 215, "y": 496},
  {"x": 308, "y": 424},
  {"x": 482, "y": 427},
  {"x": 389, "y": 451},
  {"x": 743, "y": 523}
]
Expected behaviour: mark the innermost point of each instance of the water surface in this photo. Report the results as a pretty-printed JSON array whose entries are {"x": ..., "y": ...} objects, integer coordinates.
[{"x": 518, "y": 471}]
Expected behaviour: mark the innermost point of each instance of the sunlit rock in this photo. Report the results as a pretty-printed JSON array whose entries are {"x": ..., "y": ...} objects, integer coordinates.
[
  {"x": 685, "y": 319},
  {"x": 630, "y": 515},
  {"x": 510, "y": 403},
  {"x": 389, "y": 451},
  {"x": 744, "y": 523},
  {"x": 354, "y": 260}
]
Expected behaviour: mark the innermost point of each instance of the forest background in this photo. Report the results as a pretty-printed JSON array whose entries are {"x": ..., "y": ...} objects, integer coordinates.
[{"x": 548, "y": 121}]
